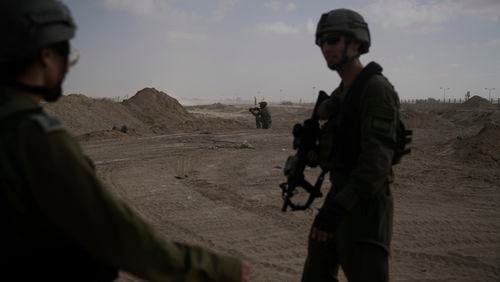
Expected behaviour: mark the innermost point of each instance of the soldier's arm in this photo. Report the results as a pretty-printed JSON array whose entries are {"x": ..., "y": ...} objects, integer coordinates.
[
  {"x": 378, "y": 137},
  {"x": 72, "y": 198}
]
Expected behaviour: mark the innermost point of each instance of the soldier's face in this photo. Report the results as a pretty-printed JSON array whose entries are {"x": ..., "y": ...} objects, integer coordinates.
[
  {"x": 332, "y": 47},
  {"x": 56, "y": 67},
  {"x": 335, "y": 46}
]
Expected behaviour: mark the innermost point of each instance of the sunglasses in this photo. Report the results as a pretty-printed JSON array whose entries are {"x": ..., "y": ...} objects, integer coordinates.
[
  {"x": 65, "y": 50},
  {"x": 62, "y": 48},
  {"x": 329, "y": 40}
]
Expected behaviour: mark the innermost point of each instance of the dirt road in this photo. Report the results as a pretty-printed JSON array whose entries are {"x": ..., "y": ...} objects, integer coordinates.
[{"x": 221, "y": 191}]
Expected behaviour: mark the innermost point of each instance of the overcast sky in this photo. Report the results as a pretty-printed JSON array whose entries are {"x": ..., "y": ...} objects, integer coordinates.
[{"x": 223, "y": 49}]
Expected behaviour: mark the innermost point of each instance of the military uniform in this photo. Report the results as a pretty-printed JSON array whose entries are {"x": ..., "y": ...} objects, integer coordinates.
[
  {"x": 262, "y": 115},
  {"x": 58, "y": 221},
  {"x": 357, "y": 148},
  {"x": 258, "y": 118},
  {"x": 265, "y": 117}
]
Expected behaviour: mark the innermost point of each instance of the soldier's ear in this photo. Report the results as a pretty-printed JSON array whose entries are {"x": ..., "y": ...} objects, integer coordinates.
[
  {"x": 45, "y": 57},
  {"x": 49, "y": 56},
  {"x": 354, "y": 47}
]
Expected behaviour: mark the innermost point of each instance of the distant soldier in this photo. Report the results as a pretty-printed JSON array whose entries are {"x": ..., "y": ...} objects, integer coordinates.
[
  {"x": 57, "y": 220},
  {"x": 262, "y": 115},
  {"x": 265, "y": 115},
  {"x": 258, "y": 118}
]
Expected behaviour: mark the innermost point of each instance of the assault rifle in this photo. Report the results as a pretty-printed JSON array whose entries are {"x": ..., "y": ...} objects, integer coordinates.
[
  {"x": 255, "y": 111},
  {"x": 305, "y": 142}
]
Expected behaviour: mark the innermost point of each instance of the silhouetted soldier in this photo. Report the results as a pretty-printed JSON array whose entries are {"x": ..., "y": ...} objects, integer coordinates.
[
  {"x": 57, "y": 220},
  {"x": 258, "y": 118},
  {"x": 262, "y": 115},
  {"x": 265, "y": 115},
  {"x": 353, "y": 228}
]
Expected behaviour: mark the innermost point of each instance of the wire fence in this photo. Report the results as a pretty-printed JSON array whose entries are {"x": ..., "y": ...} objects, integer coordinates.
[{"x": 432, "y": 101}]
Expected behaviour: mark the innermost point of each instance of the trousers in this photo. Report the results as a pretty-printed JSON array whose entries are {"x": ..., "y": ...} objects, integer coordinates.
[{"x": 360, "y": 261}]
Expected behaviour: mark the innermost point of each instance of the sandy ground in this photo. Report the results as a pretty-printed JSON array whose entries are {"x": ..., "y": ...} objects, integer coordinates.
[{"x": 219, "y": 188}]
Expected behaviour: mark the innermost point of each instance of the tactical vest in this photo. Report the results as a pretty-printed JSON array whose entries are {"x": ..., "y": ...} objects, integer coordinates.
[
  {"x": 342, "y": 133},
  {"x": 31, "y": 248}
]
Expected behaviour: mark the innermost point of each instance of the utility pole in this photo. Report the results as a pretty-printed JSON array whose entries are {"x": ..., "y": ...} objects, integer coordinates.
[
  {"x": 489, "y": 92},
  {"x": 444, "y": 93}
]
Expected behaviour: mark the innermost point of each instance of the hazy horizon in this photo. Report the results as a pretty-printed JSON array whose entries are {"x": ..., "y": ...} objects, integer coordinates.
[{"x": 228, "y": 49}]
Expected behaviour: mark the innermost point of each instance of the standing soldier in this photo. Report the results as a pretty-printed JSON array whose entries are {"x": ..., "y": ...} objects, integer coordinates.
[
  {"x": 255, "y": 111},
  {"x": 353, "y": 228},
  {"x": 262, "y": 115},
  {"x": 58, "y": 222},
  {"x": 265, "y": 115}
]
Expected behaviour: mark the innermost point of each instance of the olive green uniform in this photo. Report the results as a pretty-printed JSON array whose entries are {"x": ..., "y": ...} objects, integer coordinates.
[
  {"x": 58, "y": 221},
  {"x": 357, "y": 147},
  {"x": 262, "y": 117},
  {"x": 265, "y": 117},
  {"x": 258, "y": 117}
]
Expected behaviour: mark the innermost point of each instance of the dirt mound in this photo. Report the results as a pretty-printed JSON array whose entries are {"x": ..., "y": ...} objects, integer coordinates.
[
  {"x": 160, "y": 112},
  {"x": 472, "y": 117},
  {"x": 416, "y": 118},
  {"x": 215, "y": 106},
  {"x": 148, "y": 112},
  {"x": 81, "y": 114},
  {"x": 477, "y": 102},
  {"x": 482, "y": 147}
]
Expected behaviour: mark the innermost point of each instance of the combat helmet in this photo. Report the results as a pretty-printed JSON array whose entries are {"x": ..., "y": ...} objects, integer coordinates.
[
  {"x": 29, "y": 25},
  {"x": 263, "y": 104},
  {"x": 345, "y": 21}
]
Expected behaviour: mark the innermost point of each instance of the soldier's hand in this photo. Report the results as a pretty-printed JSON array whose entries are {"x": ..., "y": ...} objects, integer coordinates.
[
  {"x": 319, "y": 235},
  {"x": 245, "y": 271}
]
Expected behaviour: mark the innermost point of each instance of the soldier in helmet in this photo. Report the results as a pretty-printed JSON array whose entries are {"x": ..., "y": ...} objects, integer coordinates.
[
  {"x": 255, "y": 111},
  {"x": 262, "y": 115},
  {"x": 265, "y": 115},
  {"x": 58, "y": 222},
  {"x": 353, "y": 228}
]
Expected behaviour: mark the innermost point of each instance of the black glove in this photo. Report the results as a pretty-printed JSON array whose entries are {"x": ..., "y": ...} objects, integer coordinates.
[{"x": 329, "y": 218}]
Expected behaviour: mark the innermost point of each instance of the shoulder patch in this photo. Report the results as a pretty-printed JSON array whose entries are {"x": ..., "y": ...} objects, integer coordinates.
[
  {"x": 383, "y": 112},
  {"x": 383, "y": 120},
  {"x": 48, "y": 123}
]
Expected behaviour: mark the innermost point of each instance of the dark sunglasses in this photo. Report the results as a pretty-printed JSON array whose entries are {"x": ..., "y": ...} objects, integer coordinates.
[
  {"x": 330, "y": 40},
  {"x": 62, "y": 48}
]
